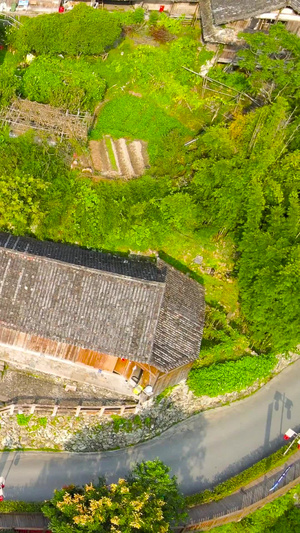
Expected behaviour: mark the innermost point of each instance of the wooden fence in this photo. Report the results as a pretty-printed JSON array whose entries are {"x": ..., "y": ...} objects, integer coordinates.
[{"x": 55, "y": 410}]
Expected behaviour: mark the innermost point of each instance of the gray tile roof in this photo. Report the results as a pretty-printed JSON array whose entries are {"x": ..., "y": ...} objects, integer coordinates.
[
  {"x": 146, "y": 312},
  {"x": 230, "y": 10},
  {"x": 23, "y": 521}
]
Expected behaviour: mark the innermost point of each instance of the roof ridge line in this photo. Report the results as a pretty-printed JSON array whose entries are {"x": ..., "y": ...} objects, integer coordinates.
[{"x": 80, "y": 267}]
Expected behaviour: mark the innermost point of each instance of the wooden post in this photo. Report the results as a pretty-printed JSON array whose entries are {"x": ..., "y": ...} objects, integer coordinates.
[
  {"x": 32, "y": 409},
  {"x": 78, "y": 409},
  {"x": 55, "y": 409},
  {"x": 11, "y": 409}
]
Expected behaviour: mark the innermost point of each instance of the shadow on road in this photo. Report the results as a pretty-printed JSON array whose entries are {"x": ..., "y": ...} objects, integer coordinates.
[
  {"x": 39, "y": 473},
  {"x": 283, "y": 406}
]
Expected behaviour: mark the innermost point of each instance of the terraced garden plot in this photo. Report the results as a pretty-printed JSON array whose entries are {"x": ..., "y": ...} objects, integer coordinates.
[{"x": 119, "y": 158}]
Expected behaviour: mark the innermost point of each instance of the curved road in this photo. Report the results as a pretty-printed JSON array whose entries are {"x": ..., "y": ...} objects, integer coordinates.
[{"x": 201, "y": 451}]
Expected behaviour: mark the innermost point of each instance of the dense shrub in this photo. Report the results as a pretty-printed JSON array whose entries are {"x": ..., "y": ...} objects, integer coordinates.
[
  {"x": 66, "y": 83},
  {"x": 231, "y": 375},
  {"x": 20, "y": 507},
  {"x": 128, "y": 18},
  {"x": 83, "y": 30}
]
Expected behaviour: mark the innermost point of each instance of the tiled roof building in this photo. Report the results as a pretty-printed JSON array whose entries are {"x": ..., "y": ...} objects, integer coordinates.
[
  {"x": 229, "y": 10},
  {"x": 245, "y": 15},
  {"x": 99, "y": 309}
]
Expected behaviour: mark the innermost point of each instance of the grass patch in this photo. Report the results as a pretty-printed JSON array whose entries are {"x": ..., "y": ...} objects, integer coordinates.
[
  {"x": 247, "y": 476},
  {"x": 230, "y": 376},
  {"x": 136, "y": 118},
  {"x": 111, "y": 153},
  {"x": 164, "y": 394},
  {"x": 23, "y": 420},
  {"x": 42, "y": 421}
]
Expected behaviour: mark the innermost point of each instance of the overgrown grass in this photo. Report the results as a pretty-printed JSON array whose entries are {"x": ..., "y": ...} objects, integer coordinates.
[
  {"x": 164, "y": 394},
  {"x": 136, "y": 118},
  {"x": 111, "y": 153},
  {"x": 230, "y": 376},
  {"x": 247, "y": 476}
]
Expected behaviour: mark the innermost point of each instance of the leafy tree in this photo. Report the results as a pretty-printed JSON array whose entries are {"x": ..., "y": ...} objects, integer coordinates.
[
  {"x": 271, "y": 62},
  {"x": 20, "y": 201},
  {"x": 147, "y": 501},
  {"x": 27, "y": 169}
]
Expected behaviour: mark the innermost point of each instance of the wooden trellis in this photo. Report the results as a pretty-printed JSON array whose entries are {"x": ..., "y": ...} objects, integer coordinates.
[{"x": 23, "y": 115}]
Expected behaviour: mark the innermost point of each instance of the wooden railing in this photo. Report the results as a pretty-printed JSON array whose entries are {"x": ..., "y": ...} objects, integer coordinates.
[{"x": 54, "y": 410}]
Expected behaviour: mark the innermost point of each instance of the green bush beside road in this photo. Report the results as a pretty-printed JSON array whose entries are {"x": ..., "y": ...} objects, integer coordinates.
[{"x": 240, "y": 480}]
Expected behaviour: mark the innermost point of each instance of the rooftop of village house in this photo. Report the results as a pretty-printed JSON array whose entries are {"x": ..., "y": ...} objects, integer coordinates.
[{"x": 136, "y": 308}]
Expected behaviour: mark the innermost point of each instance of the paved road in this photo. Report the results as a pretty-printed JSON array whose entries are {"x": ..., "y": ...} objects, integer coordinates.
[{"x": 202, "y": 451}]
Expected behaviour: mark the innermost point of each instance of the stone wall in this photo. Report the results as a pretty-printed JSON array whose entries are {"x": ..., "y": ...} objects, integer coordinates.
[{"x": 94, "y": 433}]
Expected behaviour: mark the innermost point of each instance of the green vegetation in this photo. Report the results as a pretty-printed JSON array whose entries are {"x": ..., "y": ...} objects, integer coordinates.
[
  {"x": 147, "y": 501},
  {"x": 82, "y": 31},
  {"x": 230, "y": 197},
  {"x": 164, "y": 394},
  {"x": 281, "y": 515},
  {"x": 7, "y": 506},
  {"x": 23, "y": 420},
  {"x": 66, "y": 83},
  {"x": 136, "y": 118},
  {"x": 42, "y": 421},
  {"x": 240, "y": 480},
  {"x": 111, "y": 153},
  {"x": 230, "y": 376}
]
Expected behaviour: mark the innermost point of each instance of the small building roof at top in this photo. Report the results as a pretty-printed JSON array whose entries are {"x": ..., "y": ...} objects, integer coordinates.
[
  {"x": 229, "y": 10},
  {"x": 135, "y": 308}
]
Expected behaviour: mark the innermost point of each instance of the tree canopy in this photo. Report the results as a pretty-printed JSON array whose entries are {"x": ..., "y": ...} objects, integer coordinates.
[{"x": 147, "y": 501}]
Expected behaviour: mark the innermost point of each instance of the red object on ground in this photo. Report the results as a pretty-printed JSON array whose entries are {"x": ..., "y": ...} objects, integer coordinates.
[
  {"x": 61, "y": 9},
  {"x": 286, "y": 437},
  {"x": 1, "y": 47},
  {"x": 161, "y": 9}
]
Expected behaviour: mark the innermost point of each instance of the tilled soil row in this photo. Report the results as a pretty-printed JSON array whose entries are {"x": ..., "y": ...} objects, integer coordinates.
[{"x": 131, "y": 159}]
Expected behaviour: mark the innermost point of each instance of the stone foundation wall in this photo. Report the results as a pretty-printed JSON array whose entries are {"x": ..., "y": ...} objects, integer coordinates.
[{"x": 92, "y": 433}]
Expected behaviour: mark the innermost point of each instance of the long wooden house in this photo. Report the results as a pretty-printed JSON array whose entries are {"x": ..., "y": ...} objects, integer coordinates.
[{"x": 134, "y": 317}]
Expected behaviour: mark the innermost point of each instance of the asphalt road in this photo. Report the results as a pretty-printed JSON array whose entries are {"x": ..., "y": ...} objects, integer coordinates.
[{"x": 202, "y": 451}]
